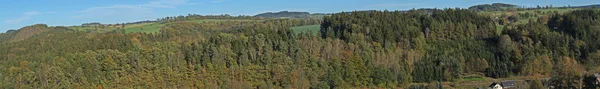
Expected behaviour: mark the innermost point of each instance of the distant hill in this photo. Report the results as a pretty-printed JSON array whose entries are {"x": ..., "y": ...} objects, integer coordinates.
[
  {"x": 284, "y": 14},
  {"x": 11, "y": 30},
  {"x": 28, "y": 32},
  {"x": 492, "y": 7},
  {"x": 588, "y": 6},
  {"x": 5, "y": 37}
]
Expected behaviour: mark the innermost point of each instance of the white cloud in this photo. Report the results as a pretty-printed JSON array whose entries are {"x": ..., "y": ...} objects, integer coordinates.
[
  {"x": 26, "y": 16},
  {"x": 129, "y": 12},
  {"x": 392, "y": 5},
  {"x": 216, "y": 1},
  {"x": 32, "y": 13},
  {"x": 191, "y": 3},
  {"x": 115, "y": 10},
  {"x": 164, "y": 3}
]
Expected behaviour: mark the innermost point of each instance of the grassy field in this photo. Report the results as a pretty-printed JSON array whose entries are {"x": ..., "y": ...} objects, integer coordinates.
[
  {"x": 314, "y": 28},
  {"x": 523, "y": 20},
  {"x": 136, "y": 25},
  {"x": 91, "y": 28},
  {"x": 499, "y": 28},
  {"x": 148, "y": 27},
  {"x": 473, "y": 78},
  {"x": 549, "y": 10},
  {"x": 145, "y": 28}
]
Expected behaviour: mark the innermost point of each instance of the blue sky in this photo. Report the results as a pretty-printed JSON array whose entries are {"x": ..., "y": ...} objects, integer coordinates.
[{"x": 18, "y": 13}]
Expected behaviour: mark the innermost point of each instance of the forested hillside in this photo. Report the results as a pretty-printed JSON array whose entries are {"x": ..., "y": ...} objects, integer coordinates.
[
  {"x": 492, "y": 7},
  {"x": 284, "y": 14},
  {"x": 375, "y": 49}
]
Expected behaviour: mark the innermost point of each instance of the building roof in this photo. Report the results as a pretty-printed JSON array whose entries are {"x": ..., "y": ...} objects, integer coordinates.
[{"x": 508, "y": 83}]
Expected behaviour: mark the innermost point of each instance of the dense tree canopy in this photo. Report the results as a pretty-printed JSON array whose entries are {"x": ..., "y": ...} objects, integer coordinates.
[{"x": 361, "y": 49}]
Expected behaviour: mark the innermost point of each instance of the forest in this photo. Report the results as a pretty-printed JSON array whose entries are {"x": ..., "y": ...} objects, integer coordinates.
[{"x": 360, "y": 49}]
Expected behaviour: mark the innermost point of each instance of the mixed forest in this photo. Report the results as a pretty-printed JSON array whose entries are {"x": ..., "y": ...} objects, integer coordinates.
[{"x": 360, "y": 49}]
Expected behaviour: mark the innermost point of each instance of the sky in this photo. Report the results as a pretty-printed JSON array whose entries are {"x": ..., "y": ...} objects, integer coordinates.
[{"x": 15, "y": 14}]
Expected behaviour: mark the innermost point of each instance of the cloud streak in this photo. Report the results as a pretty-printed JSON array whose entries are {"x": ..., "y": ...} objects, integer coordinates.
[
  {"x": 26, "y": 16},
  {"x": 392, "y": 5},
  {"x": 217, "y": 1},
  {"x": 129, "y": 11},
  {"x": 164, "y": 3},
  {"x": 115, "y": 10}
]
